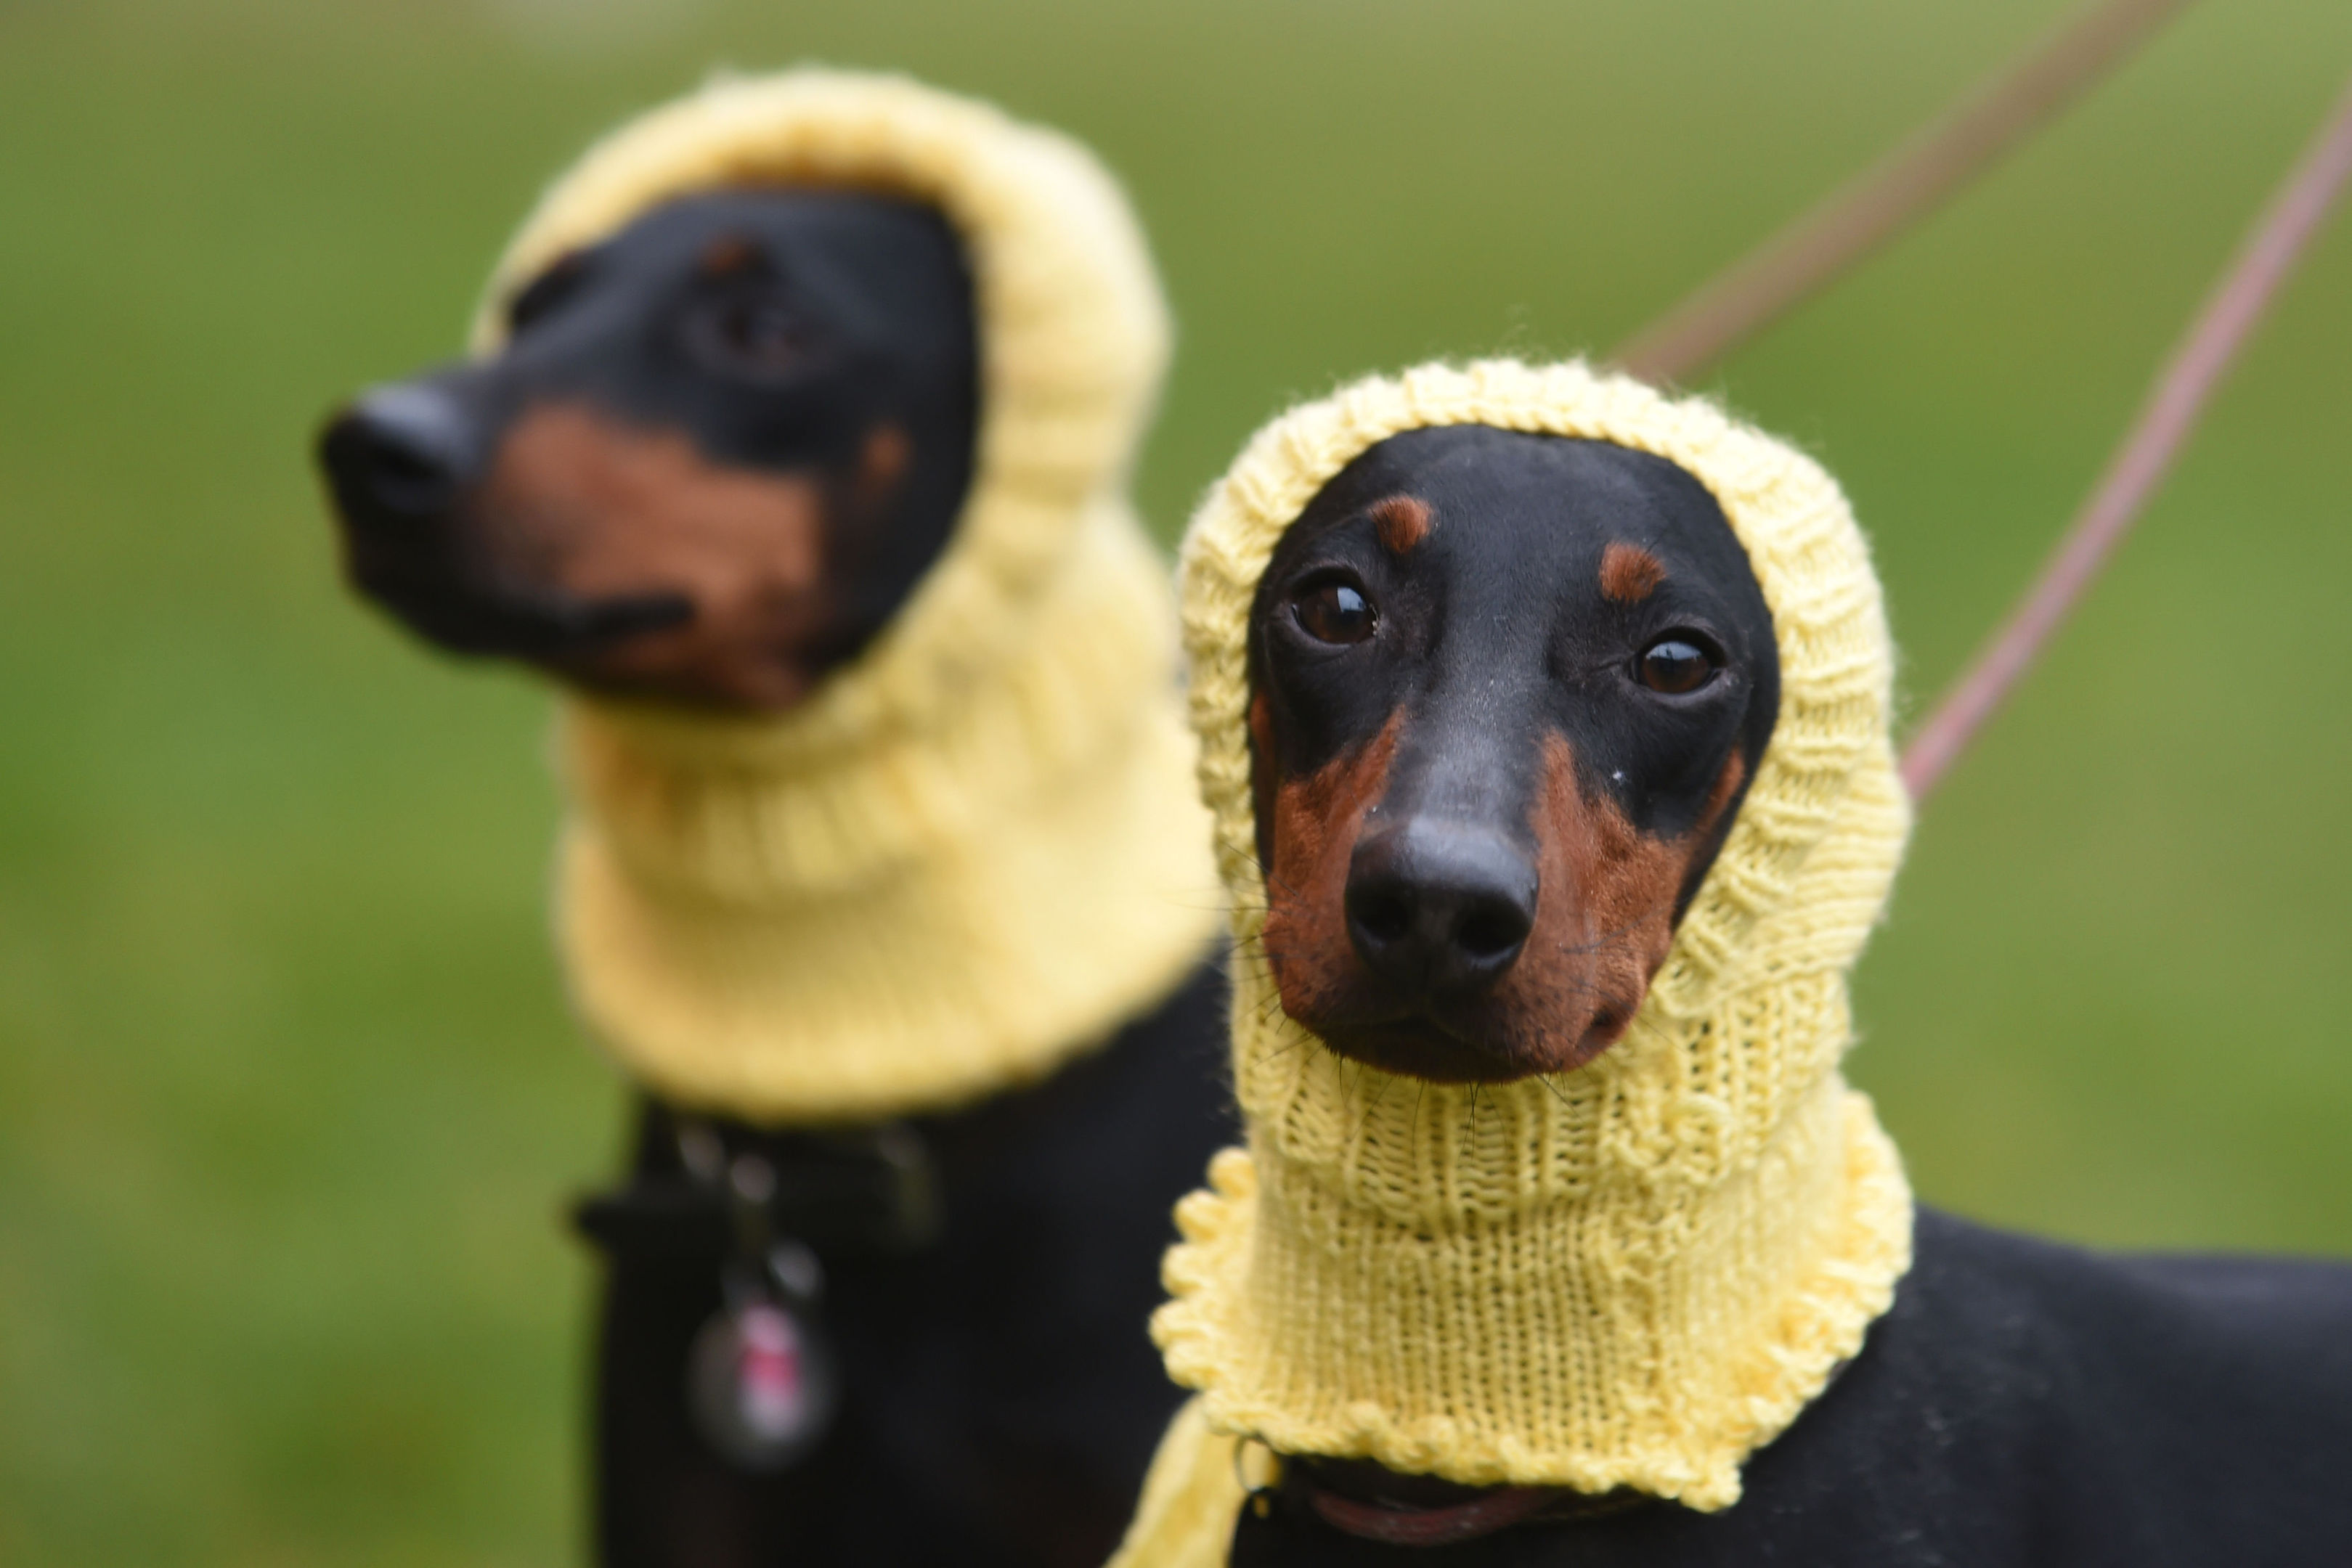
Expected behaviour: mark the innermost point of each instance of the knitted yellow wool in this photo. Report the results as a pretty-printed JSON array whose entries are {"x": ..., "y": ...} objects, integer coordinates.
[
  {"x": 974, "y": 852},
  {"x": 1630, "y": 1275}
]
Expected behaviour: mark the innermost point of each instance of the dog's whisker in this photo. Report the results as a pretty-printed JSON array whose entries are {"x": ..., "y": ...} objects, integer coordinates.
[
  {"x": 1606, "y": 939},
  {"x": 1380, "y": 1093},
  {"x": 1266, "y": 875},
  {"x": 1265, "y": 1057}
]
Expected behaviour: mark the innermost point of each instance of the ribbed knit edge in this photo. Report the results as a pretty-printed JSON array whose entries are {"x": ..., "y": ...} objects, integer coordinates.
[{"x": 1821, "y": 1327}]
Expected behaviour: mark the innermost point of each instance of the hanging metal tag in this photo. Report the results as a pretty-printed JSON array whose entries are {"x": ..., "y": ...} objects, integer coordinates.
[{"x": 762, "y": 1381}]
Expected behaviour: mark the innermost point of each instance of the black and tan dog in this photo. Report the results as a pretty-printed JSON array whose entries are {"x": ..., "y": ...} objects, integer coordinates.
[
  {"x": 713, "y": 459},
  {"x": 1563, "y": 702},
  {"x": 791, "y": 452},
  {"x": 1566, "y": 774}
]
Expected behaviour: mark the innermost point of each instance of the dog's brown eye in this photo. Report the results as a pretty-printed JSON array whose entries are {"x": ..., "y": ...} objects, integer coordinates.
[
  {"x": 1333, "y": 612},
  {"x": 762, "y": 331},
  {"x": 1674, "y": 664},
  {"x": 753, "y": 331}
]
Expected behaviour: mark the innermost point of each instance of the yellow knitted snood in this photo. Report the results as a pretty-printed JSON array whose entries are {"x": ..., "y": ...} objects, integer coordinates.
[
  {"x": 1631, "y": 1275},
  {"x": 973, "y": 853}
]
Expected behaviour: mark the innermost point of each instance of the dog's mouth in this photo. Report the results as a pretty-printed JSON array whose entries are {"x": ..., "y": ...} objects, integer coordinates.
[
  {"x": 1480, "y": 1043},
  {"x": 507, "y": 620}
]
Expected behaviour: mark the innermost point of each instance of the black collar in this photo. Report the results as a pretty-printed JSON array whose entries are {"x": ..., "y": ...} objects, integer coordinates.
[{"x": 701, "y": 1182}]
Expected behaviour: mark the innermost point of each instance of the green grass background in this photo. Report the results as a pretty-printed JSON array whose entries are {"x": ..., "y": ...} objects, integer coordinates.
[{"x": 286, "y": 1096}]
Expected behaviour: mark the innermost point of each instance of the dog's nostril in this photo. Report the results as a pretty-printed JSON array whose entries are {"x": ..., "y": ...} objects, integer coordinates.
[
  {"x": 1385, "y": 915},
  {"x": 1439, "y": 906},
  {"x": 1492, "y": 929},
  {"x": 405, "y": 451},
  {"x": 398, "y": 474}
]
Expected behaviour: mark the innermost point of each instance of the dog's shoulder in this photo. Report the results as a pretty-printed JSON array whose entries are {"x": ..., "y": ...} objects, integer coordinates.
[
  {"x": 2023, "y": 1403},
  {"x": 2054, "y": 1335},
  {"x": 2029, "y": 1402}
]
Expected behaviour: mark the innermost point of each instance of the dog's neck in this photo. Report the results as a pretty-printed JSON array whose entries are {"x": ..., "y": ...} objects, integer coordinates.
[
  {"x": 934, "y": 881},
  {"x": 1628, "y": 1276}
]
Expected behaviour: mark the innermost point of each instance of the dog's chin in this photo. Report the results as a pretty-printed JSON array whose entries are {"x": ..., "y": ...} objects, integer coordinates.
[
  {"x": 1420, "y": 1050},
  {"x": 1440, "y": 1049},
  {"x": 647, "y": 673},
  {"x": 654, "y": 647},
  {"x": 718, "y": 664}
]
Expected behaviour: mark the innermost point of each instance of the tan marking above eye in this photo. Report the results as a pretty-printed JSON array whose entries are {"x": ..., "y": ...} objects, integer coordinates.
[
  {"x": 1401, "y": 522},
  {"x": 882, "y": 460},
  {"x": 727, "y": 254},
  {"x": 1629, "y": 574}
]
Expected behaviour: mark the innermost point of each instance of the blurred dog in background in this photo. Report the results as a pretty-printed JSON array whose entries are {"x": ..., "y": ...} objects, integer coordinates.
[{"x": 864, "y": 1306}]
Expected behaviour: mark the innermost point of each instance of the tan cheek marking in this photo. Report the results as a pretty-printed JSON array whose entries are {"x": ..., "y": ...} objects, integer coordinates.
[
  {"x": 1604, "y": 919},
  {"x": 1401, "y": 522},
  {"x": 588, "y": 505},
  {"x": 1261, "y": 732},
  {"x": 629, "y": 510},
  {"x": 1629, "y": 574},
  {"x": 1315, "y": 823},
  {"x": 1726, "y": 784}
]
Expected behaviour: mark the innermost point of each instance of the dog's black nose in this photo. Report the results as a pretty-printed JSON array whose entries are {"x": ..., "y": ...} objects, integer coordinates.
[
  {"x": 401, "y": 451},
  {"x": 1438, "y": 906}
]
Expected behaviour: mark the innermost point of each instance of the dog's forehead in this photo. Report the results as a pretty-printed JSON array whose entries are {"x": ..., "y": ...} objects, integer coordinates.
[
  {"x": 885, "y": 272},
  {"x": 1550, "y": 506},
  {"x": 777, "y": 219}
]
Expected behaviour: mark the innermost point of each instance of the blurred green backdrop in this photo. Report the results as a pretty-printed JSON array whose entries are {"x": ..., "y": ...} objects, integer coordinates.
[{"x": 286, "y": 1096}]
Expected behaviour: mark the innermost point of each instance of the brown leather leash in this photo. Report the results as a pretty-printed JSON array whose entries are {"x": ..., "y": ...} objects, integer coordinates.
[
  {"x": 2265, "y": 257},
  {"x": 1911, "y": 182},
  {"x": 1915, "y": 179}
]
